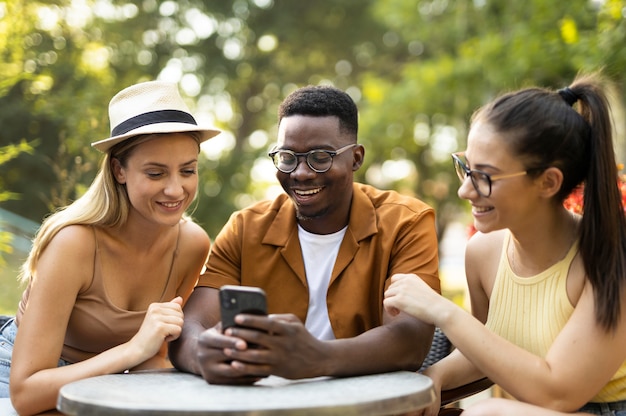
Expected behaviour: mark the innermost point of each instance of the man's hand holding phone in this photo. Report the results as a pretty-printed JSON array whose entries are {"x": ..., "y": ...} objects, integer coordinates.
[
  {"x": 217, "y": 344},
  {"x": 285, "y": 348}
]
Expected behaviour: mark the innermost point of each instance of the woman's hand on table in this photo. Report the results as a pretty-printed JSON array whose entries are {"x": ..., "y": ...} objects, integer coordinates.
[{"x": 163, "y": 323}]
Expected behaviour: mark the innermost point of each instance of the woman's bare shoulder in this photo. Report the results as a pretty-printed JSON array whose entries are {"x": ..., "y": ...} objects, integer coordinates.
[
  {"x": 79, "y": 238},
  {"x": 68, "y": 259},
  {"x": 193, "y": 237},
  {"x": 488, "y": 244},
  {"x": 482, "y": 258}
]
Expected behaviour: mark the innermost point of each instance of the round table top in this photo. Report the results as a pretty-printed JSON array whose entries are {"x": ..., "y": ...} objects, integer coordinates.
[{"x": 169, "y": 392}]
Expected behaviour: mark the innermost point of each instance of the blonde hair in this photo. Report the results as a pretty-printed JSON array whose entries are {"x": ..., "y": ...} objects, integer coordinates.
[{"x": 104, "y": 204}]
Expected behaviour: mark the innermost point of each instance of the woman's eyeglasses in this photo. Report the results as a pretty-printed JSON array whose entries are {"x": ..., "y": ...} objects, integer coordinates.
[
  {"x": 480, "y": 180},
  {"x": 319, "y": 160}
]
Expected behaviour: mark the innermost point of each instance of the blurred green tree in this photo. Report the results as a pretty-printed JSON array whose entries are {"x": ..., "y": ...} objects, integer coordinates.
[{"x": 416, "y": 69}]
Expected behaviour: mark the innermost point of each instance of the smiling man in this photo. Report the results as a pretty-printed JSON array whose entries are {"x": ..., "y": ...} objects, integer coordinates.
[{"x": 323, "y": 252}]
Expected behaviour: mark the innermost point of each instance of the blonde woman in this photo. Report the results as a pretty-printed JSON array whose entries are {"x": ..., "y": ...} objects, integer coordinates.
[{"x": 108, "y": 275}]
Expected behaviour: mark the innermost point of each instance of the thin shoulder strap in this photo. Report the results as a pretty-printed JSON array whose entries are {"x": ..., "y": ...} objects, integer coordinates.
[{"x": 174, "y": 255}]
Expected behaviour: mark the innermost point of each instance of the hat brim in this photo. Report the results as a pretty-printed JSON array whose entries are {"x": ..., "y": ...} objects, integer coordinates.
[{"x": 203, "y": 132}]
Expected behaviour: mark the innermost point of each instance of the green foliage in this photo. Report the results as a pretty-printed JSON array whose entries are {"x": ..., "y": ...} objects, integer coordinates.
[
  {"x": 7, "y": 153},
  {"x": 461, "y": 54},
  {"x": 11, "y": 152},
  {"x": 5, "y": 246},
  {"x": 417, "y": 70}
]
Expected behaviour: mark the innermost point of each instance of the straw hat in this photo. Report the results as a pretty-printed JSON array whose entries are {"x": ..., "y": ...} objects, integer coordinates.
[{"x": 150, "y": 107}]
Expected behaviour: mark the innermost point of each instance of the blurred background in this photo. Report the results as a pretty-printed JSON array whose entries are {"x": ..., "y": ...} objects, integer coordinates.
[{"x": 416, "y": 68}]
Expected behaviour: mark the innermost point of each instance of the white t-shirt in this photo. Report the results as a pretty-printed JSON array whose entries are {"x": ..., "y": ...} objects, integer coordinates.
[{"x": 319, "y": 252}]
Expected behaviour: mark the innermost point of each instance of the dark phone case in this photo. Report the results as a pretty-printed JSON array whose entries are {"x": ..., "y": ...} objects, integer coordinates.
[{"x": 240, "y": 299}]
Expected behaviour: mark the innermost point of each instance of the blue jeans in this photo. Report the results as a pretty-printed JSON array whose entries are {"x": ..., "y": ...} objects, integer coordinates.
[
  {"x": 7, "y": 339},
  {"x": 606, "y": 409}
]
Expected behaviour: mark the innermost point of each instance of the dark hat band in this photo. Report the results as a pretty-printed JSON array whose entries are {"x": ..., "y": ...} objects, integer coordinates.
[{"x": 153, "y": 117}]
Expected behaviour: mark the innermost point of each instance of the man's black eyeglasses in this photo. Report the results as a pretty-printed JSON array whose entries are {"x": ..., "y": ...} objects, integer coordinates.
[{"x": 319, "y": 160}]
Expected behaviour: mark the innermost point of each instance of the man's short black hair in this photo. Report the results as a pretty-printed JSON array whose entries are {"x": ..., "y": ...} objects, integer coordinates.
[{"x": 322, "y": 101}]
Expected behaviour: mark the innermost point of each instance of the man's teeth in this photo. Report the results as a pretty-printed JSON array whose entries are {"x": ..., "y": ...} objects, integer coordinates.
[{"x": 309, "y": 192}]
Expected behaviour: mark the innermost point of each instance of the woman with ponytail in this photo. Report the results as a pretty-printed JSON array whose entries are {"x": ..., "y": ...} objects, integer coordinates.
[{"x": 546, "y": 285}]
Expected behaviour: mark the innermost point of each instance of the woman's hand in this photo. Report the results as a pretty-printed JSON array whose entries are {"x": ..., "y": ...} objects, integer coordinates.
[
  {"x": 163, "y": 323},
  {"x": 410, "y": 294}
]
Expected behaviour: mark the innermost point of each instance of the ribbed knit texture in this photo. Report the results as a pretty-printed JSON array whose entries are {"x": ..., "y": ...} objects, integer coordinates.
[{"x": 531, "y": 311}]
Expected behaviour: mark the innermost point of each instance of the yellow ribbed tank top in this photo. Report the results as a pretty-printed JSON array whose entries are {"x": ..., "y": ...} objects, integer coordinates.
[{"x": 531, "y": 311}]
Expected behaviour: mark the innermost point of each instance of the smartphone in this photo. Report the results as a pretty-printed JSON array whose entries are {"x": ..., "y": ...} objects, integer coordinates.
[{"x": 240, "y": 299}]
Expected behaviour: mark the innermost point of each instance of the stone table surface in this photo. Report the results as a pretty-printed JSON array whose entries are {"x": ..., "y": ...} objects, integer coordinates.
[{"x": 173, "y": 393}]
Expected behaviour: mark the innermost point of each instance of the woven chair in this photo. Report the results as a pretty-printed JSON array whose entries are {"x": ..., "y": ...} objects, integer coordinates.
[{"x": 440, "y": 348}]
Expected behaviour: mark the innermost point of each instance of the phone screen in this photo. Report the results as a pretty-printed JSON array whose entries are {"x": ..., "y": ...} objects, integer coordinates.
[{"x": 240, "y": 299}]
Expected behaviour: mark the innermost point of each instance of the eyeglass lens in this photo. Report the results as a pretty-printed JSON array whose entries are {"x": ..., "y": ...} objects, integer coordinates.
[
  {"x": 480, "y": 180},
  {"x": 318, "y": 160}
]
